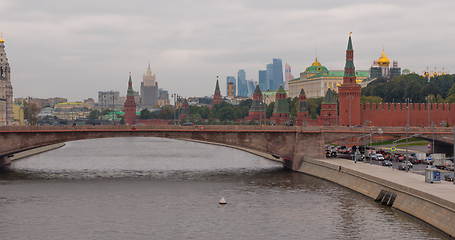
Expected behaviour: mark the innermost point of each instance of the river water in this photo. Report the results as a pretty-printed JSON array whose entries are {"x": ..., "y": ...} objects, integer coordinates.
[{"x": 152, "y": 188}]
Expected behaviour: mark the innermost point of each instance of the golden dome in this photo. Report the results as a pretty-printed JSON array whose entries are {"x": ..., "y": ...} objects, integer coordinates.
[
  {"x": 316, "y": 63},
  {"x": 383, "y": 59},
  {"x": 2, "y": 40}
]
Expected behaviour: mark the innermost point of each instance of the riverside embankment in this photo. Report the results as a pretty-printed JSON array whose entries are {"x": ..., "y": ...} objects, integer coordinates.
[
  {"x": 30, "y": 152},
  {"x": 408, "y": 192}
]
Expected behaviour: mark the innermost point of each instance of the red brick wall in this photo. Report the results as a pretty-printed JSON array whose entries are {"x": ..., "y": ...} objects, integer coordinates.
[{"x": 397, "y": 114}]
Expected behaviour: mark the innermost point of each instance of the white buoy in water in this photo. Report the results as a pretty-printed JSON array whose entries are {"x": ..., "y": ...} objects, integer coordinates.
[{"x": 222, "y": 201}]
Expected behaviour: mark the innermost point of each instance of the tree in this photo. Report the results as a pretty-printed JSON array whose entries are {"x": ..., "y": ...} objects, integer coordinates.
[
  {"x": 370, "y": 99},
  {"x": 31, "y": 111},
  {"x": 94, "y": 115},
  {"x": 315, "y": 106},
  {"x": 145, "y": 114},
  {"x": 411, "y": 86},
  {"x": 451, "y": 90}
]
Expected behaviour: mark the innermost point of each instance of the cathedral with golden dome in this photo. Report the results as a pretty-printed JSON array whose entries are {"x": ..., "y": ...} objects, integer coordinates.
[{"x": 381, "y": 68}]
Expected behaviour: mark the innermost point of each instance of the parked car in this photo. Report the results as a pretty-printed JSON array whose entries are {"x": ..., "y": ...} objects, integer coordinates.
[
  {"x": 387, "y": 163},
  {"x": 406, "y": 165},
  {"x": 377, "y": 157}
]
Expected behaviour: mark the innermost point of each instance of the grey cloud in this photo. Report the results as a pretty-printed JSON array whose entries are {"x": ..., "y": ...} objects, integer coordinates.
[{"x": 75, "y": 48}]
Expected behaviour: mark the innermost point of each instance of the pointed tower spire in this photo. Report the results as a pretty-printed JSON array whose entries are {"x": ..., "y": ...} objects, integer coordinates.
[
  {"x": 217, "y": 99},
  {"x": 129, "y": 107},
  {"x": 130, "y": 91},
  {"x": 349, "y": 68}
]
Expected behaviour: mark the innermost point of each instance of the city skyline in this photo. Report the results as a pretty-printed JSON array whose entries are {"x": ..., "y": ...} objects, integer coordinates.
[{"x": 81, "y": 50}]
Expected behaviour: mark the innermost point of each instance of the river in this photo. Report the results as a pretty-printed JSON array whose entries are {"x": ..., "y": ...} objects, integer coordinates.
[{"x": 153, "y": 188}]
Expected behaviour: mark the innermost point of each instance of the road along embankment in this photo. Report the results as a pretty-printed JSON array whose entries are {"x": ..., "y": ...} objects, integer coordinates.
[{"x": 408, "y": 192}]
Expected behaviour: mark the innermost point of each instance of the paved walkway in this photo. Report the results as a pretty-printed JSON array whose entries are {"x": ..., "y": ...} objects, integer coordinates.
[{"x": 444, "y": 190}]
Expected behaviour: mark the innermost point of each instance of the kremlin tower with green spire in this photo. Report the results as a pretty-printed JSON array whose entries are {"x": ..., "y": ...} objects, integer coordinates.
[
  {"x": 280, "y": 113},
  {"x": 257, "y": 110},
  {"x": 130, "y": 105},
  {"x": 349, "y": 92}
]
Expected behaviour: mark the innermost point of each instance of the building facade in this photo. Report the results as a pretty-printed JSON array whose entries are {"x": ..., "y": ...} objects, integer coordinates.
[
  {"x": 317, "y": 79},
  {"x": 6, "y": 89},
  {"x": 109, "y": 100}
]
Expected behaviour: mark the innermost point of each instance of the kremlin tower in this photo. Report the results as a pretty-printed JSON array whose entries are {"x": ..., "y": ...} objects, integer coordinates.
[
  {"x": 280, "y": 113},
  {"x": 6, "y": 89},
  {"x": 257, "y": 110},
  {"x": 130, "y": 105},
  {"x": 217, "y": 99},
  {"x": 303, "y": 112},
  {"x": 349, "y": 92}
]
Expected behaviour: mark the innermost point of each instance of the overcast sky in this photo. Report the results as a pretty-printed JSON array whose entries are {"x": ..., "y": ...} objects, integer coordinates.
[{"x": 76, "y": 48}]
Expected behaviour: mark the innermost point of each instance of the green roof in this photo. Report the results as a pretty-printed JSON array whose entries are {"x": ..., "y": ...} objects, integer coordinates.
[{"x": 317, "y": 70}]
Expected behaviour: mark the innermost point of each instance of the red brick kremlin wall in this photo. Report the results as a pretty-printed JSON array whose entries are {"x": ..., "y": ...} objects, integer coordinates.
[{"x": 397, "y": 114}]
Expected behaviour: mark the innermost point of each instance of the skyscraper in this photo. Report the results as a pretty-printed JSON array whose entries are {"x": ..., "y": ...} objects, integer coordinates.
[
  {"x": 231, "y": 86},
  {"x": 263, "y": 83},
  {"x": 241, "y": 83},
  {"x": 288, "y": 75},
  {"x": 251, "y": 85},
  {"x": 269, "y": 72},
  {"x": 277, "y": 73},
  {"x": 149, "y": 89},
  {"x": 6, "y": 89}
]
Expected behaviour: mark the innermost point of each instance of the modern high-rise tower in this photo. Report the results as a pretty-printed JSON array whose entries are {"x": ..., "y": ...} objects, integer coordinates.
[
  {"x": 277, "y": 73},
  {"x": 242, "y": 84},
  {"x": 263, "y": 83},
  {"x": 6, "y": 89},
  {"x": 288, "y": 75}
]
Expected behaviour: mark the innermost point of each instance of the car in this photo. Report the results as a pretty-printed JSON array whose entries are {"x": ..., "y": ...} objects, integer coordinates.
[
  {"x": 377, "y": 157},
  {"x": 387, "y": 163},
  {"x": 406, "y": 165},
  {"x": 187, "y": 124}
]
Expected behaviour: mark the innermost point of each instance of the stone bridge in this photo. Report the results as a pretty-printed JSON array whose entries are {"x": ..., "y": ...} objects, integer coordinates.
[{"x": 291, "y": 143}]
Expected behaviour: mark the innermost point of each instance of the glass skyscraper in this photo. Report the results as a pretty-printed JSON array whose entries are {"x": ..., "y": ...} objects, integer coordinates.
[
  {"x": 242, "y": 84},
  {"x": 277, "y": 73},
  {"x": 263, "y": 82}
]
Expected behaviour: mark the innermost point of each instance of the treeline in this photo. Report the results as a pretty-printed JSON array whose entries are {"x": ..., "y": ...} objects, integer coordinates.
[
  {"x": 413, "y": 88},
  {"x": 225, "y": 112}
]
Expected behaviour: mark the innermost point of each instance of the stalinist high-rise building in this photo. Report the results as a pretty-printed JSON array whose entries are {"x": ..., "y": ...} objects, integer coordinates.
[
  {"x": 6, "y": 89},
  {"x": 149, "y": 89}
]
